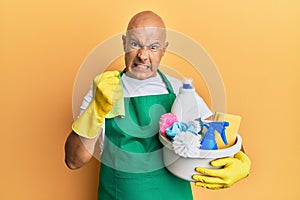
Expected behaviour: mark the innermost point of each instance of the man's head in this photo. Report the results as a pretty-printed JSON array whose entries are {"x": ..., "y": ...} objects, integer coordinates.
[{"x": 144, "y": 45}]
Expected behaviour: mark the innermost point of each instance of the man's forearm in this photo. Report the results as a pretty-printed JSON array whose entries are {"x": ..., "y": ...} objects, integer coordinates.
[{"x": 78, "y": 150}]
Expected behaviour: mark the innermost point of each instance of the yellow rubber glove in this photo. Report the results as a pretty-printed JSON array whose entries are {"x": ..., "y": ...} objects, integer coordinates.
[
  {"x": 233, "y": 170},
  {"x": 107, "y": 91}
]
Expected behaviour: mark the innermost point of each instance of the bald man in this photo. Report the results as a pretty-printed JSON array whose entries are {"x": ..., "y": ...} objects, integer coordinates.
[{"x": 131, "y": 157}]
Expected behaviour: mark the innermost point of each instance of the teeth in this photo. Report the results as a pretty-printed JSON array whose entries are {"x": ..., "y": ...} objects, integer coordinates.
[{"x": 142, "y": 66}]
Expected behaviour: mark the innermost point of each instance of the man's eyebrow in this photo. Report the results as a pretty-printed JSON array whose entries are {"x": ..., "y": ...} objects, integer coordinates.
[
  {"x": 157, "y": 42},
  {"x": 135, "y": 39}
]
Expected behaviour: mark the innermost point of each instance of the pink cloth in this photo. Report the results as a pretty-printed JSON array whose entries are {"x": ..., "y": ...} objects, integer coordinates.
[{"x": 166, "y": 121}]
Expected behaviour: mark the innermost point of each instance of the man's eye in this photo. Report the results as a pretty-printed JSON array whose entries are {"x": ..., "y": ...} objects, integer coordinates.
[
  {"x": 135, "y": 44},
  {"x": 154, "y": 47}
]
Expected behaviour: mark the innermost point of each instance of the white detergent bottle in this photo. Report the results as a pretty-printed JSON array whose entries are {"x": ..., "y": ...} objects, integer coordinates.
[{"x": 185, "y": 105}]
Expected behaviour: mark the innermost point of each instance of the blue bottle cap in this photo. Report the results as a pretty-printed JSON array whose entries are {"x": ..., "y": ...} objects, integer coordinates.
[{"x": 187, "y": 83}]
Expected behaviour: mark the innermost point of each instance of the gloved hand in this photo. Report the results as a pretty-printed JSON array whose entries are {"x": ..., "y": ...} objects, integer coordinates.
[
  {"x": 234, "y": 169},
  {"x": 107, "y": 91}
]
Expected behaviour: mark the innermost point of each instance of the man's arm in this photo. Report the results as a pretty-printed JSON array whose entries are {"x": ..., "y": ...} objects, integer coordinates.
[
  {"x": 79, "y": 150},
  {"x": 87, "y": 128}
]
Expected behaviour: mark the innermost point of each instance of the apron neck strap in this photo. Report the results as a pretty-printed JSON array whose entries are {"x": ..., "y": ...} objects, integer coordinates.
[
  {"x": 164, "y": 78},
  {"x": 166, "y": 81}
]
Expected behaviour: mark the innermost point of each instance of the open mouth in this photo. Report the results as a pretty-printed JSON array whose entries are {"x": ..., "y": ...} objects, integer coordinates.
[{"x": 140, "y": 66}]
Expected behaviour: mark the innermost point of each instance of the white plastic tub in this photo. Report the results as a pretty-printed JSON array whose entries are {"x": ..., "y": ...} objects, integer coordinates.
[{"x": 184, "y": 168}]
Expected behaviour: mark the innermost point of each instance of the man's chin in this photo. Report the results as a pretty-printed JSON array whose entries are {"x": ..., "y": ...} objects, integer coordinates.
[{"x": 140, "y": 75}]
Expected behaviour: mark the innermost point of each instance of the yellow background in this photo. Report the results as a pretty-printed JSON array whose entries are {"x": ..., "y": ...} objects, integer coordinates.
[{"x": 255, "y": 45}]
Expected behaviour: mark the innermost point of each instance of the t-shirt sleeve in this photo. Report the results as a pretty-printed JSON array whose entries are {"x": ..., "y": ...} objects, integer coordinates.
[{"x": 86, "y": 101}]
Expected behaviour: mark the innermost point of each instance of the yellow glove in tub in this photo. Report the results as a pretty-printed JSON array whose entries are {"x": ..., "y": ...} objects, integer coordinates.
[
  {"x": 107, "y": 91},
  {"x": 234, "y": 169}
]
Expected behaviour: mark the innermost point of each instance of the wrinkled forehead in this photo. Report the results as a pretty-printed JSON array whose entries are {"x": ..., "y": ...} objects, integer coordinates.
[{"x": 147, "y": 34}]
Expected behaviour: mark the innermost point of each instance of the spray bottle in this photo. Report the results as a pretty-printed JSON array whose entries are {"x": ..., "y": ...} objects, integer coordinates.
[
  {"x": 185, "y": 106},
  {"x": 209, "y": 141}
]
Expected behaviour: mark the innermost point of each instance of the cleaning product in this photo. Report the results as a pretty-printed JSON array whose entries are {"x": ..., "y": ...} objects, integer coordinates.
[
  {"x": 231, "y": 130},
  {"x": 185, "y": 106},
  {"x": 209, "y": 141}
]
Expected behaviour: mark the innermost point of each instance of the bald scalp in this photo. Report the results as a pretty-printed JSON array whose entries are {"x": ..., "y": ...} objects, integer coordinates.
[{"x": 145, "y": 19}]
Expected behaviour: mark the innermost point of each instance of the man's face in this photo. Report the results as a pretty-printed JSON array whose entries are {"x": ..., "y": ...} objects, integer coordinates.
[{"x": 144, "y": 48}]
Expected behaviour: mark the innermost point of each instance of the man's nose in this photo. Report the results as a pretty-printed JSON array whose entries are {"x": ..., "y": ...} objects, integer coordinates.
[{"x": 143, "y": 54}]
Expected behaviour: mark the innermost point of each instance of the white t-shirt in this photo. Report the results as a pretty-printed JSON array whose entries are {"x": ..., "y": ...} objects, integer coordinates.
[{"x": 152, "y": 86}]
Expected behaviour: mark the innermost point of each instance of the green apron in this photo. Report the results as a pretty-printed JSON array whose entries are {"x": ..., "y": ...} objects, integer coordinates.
[{"x": 131, "y": 163}]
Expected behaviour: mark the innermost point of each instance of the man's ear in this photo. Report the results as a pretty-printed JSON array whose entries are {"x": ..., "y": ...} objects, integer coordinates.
[
  {"x": 165, "y": 47},
  {"x": 124, "y": 42}
]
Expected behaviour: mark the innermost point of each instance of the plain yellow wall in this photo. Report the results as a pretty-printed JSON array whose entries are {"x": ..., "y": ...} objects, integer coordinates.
[{"x": 255, "y": 45}]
